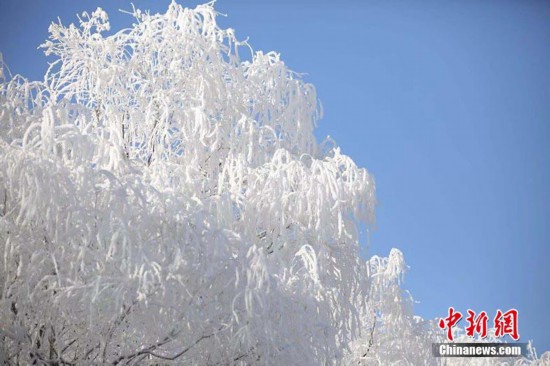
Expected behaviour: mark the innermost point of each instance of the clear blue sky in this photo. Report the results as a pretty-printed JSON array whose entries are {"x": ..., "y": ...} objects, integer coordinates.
[{"x": 447, "y": 103}]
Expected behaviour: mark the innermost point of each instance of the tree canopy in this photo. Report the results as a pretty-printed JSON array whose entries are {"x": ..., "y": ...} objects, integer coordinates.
[{"x": 163, "y": 198}]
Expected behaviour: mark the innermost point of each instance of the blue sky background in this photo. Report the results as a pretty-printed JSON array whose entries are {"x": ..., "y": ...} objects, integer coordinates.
[{"x": 446, "y": 103}]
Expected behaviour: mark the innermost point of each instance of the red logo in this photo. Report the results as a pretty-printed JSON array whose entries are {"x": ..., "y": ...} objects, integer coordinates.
[
  {"x": 450, "y": 321},
  {"x": 504, "y": 323},
  {"x": 507, "y": 323},
  {"x": 477, "y": 324}
]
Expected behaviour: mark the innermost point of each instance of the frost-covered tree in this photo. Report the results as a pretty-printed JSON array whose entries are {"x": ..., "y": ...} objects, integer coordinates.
[{"x": 164, "y": 199}]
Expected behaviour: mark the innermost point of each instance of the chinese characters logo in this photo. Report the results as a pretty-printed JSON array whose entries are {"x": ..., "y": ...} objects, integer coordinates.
[{"x": 504, "y": 323}]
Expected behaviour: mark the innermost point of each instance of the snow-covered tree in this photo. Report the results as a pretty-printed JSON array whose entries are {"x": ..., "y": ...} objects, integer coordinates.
[{"x": 164, "y": 199}]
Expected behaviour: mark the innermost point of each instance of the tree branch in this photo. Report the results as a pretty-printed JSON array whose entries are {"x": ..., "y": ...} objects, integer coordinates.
[{"x": 150, "y": 350}]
